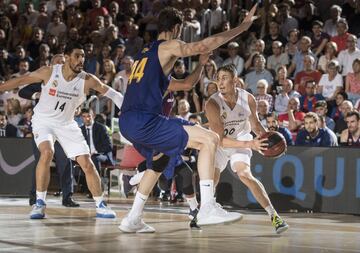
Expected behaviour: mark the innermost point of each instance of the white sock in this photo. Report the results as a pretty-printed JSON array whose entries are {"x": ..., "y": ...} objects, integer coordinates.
[
  {"x": 98, "y": 200},
  {"x": 41, "y": 195},
  {"x": 270, "y": 210},
  {"x": 206, "y": 191},
  {"x": 138, "y": 205},
  {"x": 193, "y": 204}
]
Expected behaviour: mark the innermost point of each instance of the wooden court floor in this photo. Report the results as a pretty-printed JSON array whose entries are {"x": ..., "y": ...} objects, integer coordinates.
[{"x": 76, "y": 230}]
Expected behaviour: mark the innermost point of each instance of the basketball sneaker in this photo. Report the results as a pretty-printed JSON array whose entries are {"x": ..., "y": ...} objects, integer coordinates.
[
  {"x": 135, "y": 180},
  {"x": 135, "y": 225},
  {"x": 103, "y": 211},
  {"x": 279, "y": 224},
  {"x": 38, "y": 211},
  {"x": 212, "y": 213},
  {"x": 193, "y": 213}
]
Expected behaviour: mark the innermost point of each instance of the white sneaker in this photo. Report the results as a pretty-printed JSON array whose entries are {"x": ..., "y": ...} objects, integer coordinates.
[
  {"x": 135, "y": 225},
  {"x": 212, "y": 213},
  {"x": 38, "y": 211},
  {"x": 135, "y": 180},
  {"x": 103, "y": 211}
]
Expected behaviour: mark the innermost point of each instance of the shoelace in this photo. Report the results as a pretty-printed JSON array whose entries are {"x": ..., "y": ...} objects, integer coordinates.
[
  {"x": 219, "y": 208},
  {"x": 277, "y": 221}
]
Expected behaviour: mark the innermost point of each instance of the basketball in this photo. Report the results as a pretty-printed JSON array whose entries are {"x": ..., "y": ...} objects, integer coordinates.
[{"x": 277, "y": 144}]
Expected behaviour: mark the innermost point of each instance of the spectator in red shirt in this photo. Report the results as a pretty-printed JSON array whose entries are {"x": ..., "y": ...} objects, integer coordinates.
[
  {"x": 342, "y": 28},
  {"x": 97, "y": 10},
  {"x": 308, "y": 74}
]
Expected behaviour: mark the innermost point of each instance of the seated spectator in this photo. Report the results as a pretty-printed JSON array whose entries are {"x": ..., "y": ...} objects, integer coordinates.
[
  {"x": 287, "y": 21},
  {"x": 351, "y": 136},
  {"x": 347, "y": 56},
  {"x": 308, "y": 101},
  {"x": 331, "y": 83},
  {"x": 352, "y": 83},
  {"x": 25, "y": 123},
  {"x": 293, "y": 119},
  {"x": 321, "y": 110},
  {"x": 91, "y": 65},
  {"x": 261, "y": 94},
  {"x": 340, "y": 124},
  {"x": 318, "y": 38},
  {"x": 208, "y": 75},
  {"x": 309, "y": 73},
  {"x": 282, "y": 99},
  {"x": 121, "y": 79},
  {"x": 263, "y": 110},
  {"x": 56, "y": 27},
  {"x": 274, "y": 35},
  {"x": 280, "y": 79},
  {"x": 7, "y": 129},
  {"x": 258, "y": 73},
  {"x": 342, "y": 34},
  {"x": 272, "y": 124},
  {"x": 330, "y": 26},
  {"x": 258, "y": 48},
  {"x": 335, "y": 111},
  {"x": 234, "y": 58},
  {"x": 278, "y": 58},
  {"x": 13, "y": 111},
  {"x": 109, "y": 72},
  {"x": 330, "y": 54},
  {"x": 322, "y": 124},
  {"x": 183, "y": 109},
  {"x": 133, "y": 42},
  {"x": 312, "y": 135}
]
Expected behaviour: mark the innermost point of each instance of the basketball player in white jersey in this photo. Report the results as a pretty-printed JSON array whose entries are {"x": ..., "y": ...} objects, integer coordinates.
[
  {"x": 64, "y": 89},
  {"x": 232, "y": 115}
]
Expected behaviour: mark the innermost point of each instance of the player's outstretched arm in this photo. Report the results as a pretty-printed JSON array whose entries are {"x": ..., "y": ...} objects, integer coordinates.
[
  {"x": 38, "y": 76},
  {"x": 92, "y": 82},
  {"x": 192, "y": 79},
  {"x": 182, "y": 49}
]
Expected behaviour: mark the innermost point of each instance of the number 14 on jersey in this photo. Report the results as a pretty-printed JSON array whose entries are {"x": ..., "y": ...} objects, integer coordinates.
[{"x": 137, "y": 70}]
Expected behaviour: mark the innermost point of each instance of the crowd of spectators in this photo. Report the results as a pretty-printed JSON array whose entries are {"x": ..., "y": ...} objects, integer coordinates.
[{"x": 300, "y": 60}]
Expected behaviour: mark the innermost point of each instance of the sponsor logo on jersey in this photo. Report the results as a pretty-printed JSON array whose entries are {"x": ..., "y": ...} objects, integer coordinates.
[
  {"x": 52, "y": 92},
  {"x": 224, "y": 115},
  {"x": 145, "y": 50},
  {"x": 54, "y": 84}
]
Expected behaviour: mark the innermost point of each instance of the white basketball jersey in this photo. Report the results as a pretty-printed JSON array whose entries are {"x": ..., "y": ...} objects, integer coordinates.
[
  {"x": 236, "y": 121},
  {"x": 60, "y": 98}
]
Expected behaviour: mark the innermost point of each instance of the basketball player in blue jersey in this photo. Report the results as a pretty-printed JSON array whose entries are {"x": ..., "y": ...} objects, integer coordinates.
[
  {"x": 141, "y": 121},
  {"x": 64, "y": 89}
]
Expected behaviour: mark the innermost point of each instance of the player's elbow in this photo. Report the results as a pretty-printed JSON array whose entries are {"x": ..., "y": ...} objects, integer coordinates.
[{"x": 187, "y": 86}]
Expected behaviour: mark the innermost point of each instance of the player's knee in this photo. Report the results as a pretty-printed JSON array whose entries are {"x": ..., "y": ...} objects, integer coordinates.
[
  {"x": 246, "y": 176},
  {"x": 160, "y": 164},
  {"x": 47, "y": 154},
  {"x": 88, "y": 167}
]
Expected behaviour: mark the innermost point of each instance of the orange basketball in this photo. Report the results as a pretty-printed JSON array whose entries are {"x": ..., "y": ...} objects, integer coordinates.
[{"x": 277, "y": 144}]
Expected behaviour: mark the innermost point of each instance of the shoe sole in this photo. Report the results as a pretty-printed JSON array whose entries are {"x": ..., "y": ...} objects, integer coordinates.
[
  {"x": 222, "y": 222},
  {"x": 282, "y": 230},
  {"x": 105, "y": 216},
  {"x": 126, "y": 230},
  {"x": 37, "y": 217}
]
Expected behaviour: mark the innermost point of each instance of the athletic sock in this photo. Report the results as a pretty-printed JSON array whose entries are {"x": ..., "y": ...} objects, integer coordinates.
[
  {"x": 206, "y": 191},
  {"x": 98, "y": 200},
  {"x": 270, "y": 210},
  {"x": 193, "y": 204},
  {"x": 138, "y": 205},
  {"x": 41, "y": 195}
]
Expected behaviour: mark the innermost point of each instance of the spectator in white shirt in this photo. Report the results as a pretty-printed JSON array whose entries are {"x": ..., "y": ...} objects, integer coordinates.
[
  {"x": 332, "y": 82},
  {"x": 278, "y": 58},
  {"x": 330, "y": 26},
  {"x": 347, "y": 57},
  {"x": 234, "y": 59}
]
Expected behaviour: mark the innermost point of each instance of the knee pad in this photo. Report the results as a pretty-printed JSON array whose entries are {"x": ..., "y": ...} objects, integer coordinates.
[{"x": 160, "y": 164}]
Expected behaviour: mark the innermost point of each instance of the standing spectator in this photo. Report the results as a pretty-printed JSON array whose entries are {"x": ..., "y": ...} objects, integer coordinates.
[
  {"x": 7, "y": 129},
  {"x": 351, "y": 136},
  {"x": 341, "y": 39},
  {"x": 274, "y": 35},
  {"x": 331, "y": 83},
  {"x": 287, "y": 21},
  {"x": 330, "y": 54},
  {"x": 213, "y": 18},
  {"x": 321, "y": 110},
  {"x": 312, "y": 135},
  {"x": 346, "y": 57},
  {"x": 330, "y": 26},
  {"x": 35, "y": 42},
  {"x": 234, "y": 58},
  {"x": 309, "y": 73},
  {"x": 308, "y": 101},
  {"x": 133, "y": 42},
  {"x": 318, "y": 38},
  {"x": 258, "y": 73},
  {"x": 278, "y": 58},
  {"x": 192, "y": 27},
  {"x": 352, "y": 84},
  {"x": 272, "y": 124},
  {"x": 261, "y": 94}
]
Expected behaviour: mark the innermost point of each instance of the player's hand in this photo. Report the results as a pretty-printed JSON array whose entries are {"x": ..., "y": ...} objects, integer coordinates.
[
  {"x": 259, "y": 145},
  {"x": 203, "y": 59}
]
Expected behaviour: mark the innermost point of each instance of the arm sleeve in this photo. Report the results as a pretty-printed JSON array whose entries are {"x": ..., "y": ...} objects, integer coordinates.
[{"x": 29, "y": 90}]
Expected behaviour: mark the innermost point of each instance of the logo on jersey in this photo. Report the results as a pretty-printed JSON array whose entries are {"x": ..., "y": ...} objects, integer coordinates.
[
  {"x": 36, "y": 136},
  {"x": 54, "y": 84},
  {"x": 52, "y": 92},
  {"x": 224, "y": 115},
  {"x": 145, "y": 50}
]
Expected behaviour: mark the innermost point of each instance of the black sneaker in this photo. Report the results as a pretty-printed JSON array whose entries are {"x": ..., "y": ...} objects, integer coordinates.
[
  {"x": 69, "y": 202},
  {"x": 193, "y": 213},
  {"x": 279, "y": 224}
]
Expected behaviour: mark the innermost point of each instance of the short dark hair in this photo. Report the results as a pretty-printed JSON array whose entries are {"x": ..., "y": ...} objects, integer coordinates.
[
  {"x": 321, "y": 103},
  {"x": 70, "y": 47},
  {"x": 2, "y": 113},
  {"x": 353, "y": 113},
  {"x": 179, "y": 62},
  {"x": 230, "y": 68},
  {"x": 86, "y": 110},
  {"x": 272, "y": 115},
  {"x": 168, "y": 18}
]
